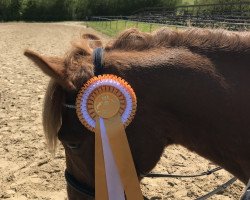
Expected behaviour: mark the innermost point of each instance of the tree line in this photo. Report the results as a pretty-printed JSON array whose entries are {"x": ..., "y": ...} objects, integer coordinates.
[{"x": 59, "y": 10}]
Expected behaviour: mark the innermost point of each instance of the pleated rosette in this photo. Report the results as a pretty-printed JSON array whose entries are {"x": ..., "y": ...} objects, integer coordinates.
[{"x": 106, "y": 105}]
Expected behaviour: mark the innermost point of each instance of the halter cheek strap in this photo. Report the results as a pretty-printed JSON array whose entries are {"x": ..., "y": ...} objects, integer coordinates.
[{"x": 97, "y": 61}]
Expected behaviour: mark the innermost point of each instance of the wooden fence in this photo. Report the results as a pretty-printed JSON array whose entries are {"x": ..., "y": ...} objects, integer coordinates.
[{"x": 209, "y": 15}]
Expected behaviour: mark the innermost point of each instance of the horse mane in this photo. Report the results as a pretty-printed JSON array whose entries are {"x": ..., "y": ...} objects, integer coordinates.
[{"x": 204, "y": 41}]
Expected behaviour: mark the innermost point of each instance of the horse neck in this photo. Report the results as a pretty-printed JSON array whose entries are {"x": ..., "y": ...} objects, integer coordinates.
[
  {"x": 181, "y": 99},
  {"x": 173, "y": 76}
]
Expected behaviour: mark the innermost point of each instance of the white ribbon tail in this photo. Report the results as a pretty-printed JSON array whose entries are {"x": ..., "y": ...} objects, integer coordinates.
[{"x": 114, "y": 184}]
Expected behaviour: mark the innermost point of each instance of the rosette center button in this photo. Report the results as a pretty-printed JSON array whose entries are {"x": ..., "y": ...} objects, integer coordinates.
[{"x": 106, "y": 105}]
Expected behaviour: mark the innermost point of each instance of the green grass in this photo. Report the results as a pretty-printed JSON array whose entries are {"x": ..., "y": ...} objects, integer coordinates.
[
  {"x": 190, "y": 2},
  {"x": 112, "y": 28}
]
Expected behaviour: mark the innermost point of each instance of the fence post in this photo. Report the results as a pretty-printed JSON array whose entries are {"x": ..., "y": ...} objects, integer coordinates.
[
  {"x": 151, "y": 27},
  {"x": 125, "y": 24},
  {"x": 110, "y": 24},
  {"x": 116, "y": 24}
]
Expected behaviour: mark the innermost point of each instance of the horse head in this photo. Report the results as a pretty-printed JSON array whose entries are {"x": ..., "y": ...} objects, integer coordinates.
[{"x": 187, "y": 92}]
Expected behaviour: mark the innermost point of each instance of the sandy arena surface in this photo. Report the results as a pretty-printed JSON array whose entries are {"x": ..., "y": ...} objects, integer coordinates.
[{"x": 27, "y": 170}]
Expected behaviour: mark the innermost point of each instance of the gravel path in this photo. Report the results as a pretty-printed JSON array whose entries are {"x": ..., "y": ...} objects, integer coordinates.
[{"x": 27, "y": 170}]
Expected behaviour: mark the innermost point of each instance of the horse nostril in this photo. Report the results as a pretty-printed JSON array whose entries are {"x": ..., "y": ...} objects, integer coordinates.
[{"x": 73, "y": 145}]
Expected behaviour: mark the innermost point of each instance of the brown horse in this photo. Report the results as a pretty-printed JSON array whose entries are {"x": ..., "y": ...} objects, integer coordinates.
[{"x": 193, "y": 89}]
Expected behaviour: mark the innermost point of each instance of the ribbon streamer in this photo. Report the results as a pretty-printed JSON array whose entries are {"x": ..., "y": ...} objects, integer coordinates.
[
  {"x": 122, "y": 154},
  {"x": 115, "y": 187},
  {"x": 100, "y": 172}
]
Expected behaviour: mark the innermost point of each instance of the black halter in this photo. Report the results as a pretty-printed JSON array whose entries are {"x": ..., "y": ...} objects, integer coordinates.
[
  {"x": 79, "y": 187},
  {"x": 97, "y": 61},
  {"x": 70, "y": 179}
]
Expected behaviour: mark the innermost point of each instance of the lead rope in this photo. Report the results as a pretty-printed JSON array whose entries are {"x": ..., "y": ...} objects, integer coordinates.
[
  {"x": 206, "y": 196},
  {"x": 246, "y": 192},
  {"x": 218, "y": 189},
  {"x": 159, "y": 175}
]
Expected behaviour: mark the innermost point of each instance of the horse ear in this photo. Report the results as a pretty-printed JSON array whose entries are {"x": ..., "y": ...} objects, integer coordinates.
[
  {"x": 51, "y": 66},
  {"x": 94, "y": 41}
]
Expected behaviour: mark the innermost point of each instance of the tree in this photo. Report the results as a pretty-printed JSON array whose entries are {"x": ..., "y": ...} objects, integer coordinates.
[
  {"x": 10, "y": 10},
  {"x": 30, "y": 10}
]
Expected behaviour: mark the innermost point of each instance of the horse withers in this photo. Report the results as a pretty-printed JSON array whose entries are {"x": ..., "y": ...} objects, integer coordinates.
[{"x": 192, "y": 87}]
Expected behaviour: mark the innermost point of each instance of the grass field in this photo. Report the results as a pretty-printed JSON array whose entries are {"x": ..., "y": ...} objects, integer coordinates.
[{"x": 112, "y": 28}]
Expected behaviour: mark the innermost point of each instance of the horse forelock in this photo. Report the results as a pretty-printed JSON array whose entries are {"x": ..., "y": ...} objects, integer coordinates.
[{"x": 52, "y": 113}]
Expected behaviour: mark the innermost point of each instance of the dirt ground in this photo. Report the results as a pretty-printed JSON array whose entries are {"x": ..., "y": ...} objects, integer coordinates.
[{"x": 27, "y": 170}]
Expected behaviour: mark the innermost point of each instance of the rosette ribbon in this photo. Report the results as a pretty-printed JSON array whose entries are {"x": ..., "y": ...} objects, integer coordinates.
[{"x": 106, "y": 105}]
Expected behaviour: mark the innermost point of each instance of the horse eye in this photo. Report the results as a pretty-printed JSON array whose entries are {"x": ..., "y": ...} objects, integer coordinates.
[{"x": 73, "y": 145}]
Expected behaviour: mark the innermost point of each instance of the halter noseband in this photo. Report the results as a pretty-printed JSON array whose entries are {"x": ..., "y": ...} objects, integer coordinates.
[{"x": 79, "y": 187}]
